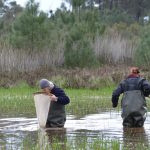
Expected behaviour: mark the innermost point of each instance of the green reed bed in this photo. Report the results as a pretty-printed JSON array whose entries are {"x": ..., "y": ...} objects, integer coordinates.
[
  {"x": 85, "y": 101},
  {"x": 19, "y": 101}
]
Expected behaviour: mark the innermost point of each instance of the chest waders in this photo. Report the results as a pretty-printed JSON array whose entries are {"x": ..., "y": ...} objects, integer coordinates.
[
  {"x": 133, "y": 108},
  {"x": 57, "y": 116}
]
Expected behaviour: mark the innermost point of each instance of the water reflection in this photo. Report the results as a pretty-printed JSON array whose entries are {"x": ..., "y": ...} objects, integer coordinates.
[
  {"x": 18, "y": 124},
  {"x": 14, "y": 131},
  {"x": 54, "y": 137},
  {"x": 132, "y": 136}
]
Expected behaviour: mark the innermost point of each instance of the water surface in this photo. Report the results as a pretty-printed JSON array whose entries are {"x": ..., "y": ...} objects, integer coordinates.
[{"x": 108, "y": 125}]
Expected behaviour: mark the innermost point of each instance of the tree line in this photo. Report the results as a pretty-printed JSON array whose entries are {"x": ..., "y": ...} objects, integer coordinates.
[{"x": 93, "y": 33}]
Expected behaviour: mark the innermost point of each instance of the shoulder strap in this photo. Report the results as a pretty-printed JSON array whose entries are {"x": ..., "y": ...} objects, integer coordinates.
[
  {"x": 140, "y": 82},
  {"x": 129, "y": 85}
]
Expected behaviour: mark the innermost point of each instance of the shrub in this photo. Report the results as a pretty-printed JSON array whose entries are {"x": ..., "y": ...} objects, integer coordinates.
[
  {"x": 78, "y": 51},
  {"x": 142, "y": 56}
]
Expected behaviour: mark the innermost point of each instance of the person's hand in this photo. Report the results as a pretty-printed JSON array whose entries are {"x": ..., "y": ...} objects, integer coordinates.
[
  {"x": 53, "y": 97},
  {"x": 114, "y": 105},
  {"x": 46, "y": 91}
]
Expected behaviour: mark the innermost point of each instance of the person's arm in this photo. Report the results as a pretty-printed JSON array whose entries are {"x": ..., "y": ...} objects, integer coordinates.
[
  {"x": 146, "y": 88},
  {"x": 116, "y": 94},
  {"x": 62, "y": 98}
]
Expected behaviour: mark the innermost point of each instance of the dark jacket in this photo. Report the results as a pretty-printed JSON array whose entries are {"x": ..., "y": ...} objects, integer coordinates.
[
  {"x": 132, "y": 82},
  {"x": 57, "y": 114}
]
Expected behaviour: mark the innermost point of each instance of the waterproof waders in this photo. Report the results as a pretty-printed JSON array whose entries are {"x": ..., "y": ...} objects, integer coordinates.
[{"x": 133, "y": 108}]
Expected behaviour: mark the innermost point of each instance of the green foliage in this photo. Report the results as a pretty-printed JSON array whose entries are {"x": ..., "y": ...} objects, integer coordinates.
[
  {"x": 93, "y": 22},
  {"x": 73, "y": 34},
  {"x": 30, "y": 29},
  {"x": 76, "y": 3},
  {"x": 135, "y": 29},
  {"x": 142, "y": 56},
  {"x": 130, "y": 31},
  {"x": 78, "y": 52},
  {"x": 115, "y": 16},
  {"x": 8, "y": 12},
  {"x": 67, "y": 18},
  {"x": 19, "y": 100},
  {"x": 11, "y": 99}
]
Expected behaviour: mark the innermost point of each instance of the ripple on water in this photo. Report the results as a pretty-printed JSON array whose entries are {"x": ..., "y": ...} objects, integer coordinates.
[{"x": 105, "y": 124}]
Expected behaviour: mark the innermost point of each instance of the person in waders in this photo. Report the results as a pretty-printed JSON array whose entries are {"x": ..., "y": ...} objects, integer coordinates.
[
  {"x": 57, "y": 115},
  {"x": 133, "y": 104}
]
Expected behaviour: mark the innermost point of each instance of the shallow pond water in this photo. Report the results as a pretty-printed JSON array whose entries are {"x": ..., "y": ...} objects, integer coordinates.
[{"x": 108, "y": 125}]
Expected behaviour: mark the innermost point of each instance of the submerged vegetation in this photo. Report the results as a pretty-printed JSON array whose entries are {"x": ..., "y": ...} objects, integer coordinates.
[
  {"x": 98, "y": 143},
  {"x": 80, "y": 143}
]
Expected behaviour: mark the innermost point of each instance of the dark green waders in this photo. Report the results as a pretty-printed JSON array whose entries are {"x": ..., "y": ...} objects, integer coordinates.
[{"x": 133, "y": 109}]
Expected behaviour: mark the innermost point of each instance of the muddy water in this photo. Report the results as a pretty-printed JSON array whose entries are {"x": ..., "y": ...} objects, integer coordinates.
[{"x": 13, "y": 131}]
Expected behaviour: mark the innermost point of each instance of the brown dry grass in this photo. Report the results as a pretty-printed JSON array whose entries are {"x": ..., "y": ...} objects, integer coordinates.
[{"x": 68, "y": 78}]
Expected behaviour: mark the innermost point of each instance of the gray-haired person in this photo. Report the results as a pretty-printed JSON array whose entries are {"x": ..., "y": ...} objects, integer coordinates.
[{"x": 57, "y": 115}]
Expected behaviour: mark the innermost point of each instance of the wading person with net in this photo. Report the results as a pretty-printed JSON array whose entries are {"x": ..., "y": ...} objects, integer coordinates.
[
  {"x": 133, "y": 104},
  {"x": 57, "y": 115}
]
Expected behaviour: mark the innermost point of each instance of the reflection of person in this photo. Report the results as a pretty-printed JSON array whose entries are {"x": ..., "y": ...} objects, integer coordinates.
[
  {"x": 56, "y": 116},
  {"x": 57, "y": 137},
  {"x": 134, "y": 89},
  {"x": 52, "y": 138},
  {"x": 133, "y": 138}
]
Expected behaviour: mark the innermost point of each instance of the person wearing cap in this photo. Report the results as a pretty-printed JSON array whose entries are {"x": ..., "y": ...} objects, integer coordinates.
[
  {"x": 57, "y": 115},
  {"x": 133, "y": 104}
]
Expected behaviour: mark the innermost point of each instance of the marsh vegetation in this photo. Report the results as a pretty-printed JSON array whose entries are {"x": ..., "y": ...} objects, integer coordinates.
[
  {"x": 86, "y": 51},
  {"x": 91, "y": 123}
]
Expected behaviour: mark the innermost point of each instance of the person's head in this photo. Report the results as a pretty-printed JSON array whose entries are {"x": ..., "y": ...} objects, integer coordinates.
[
  {"x": 46, "y": 85},
  {"x": 134, "y": 70}
]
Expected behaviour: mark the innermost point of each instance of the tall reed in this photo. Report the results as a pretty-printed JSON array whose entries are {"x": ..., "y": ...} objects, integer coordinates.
[
  {"x": 27, "y": 60},
  {"x": 114, "y": 49}
]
